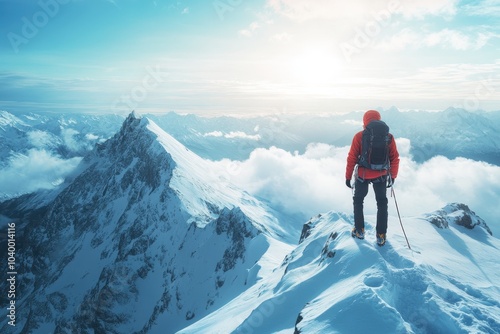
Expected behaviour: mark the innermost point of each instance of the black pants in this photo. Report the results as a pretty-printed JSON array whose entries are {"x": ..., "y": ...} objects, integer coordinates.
[{"x": 360, "y": 192}]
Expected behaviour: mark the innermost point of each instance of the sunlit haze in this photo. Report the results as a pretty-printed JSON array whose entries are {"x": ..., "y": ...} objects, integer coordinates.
[{"x": 216, "y": 57}]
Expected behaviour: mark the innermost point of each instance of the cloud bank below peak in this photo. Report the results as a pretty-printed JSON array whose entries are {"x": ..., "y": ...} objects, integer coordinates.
[
  {"x": 314, "y": 182},
  {"x": 35, "y": 170}
]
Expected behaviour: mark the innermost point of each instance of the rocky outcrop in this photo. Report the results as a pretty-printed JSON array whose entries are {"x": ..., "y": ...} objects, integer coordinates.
[{"x": 459, "y": 214}]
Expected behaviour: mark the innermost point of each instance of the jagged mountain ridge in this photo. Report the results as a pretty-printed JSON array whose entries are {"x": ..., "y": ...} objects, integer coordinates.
[
  {"x": 452, "y": 132},
  {"x": 138, "y": 242}
]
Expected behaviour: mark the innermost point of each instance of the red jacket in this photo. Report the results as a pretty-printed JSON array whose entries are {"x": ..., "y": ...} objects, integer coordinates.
[{"x": 365, "y": 173}]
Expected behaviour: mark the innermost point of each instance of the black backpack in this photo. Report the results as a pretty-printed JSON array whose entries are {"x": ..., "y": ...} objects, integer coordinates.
[{"x": 375, "y": 146}]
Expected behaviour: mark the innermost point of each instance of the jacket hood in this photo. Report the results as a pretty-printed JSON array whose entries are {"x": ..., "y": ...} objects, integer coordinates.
[{"x": 370, "y": 115}]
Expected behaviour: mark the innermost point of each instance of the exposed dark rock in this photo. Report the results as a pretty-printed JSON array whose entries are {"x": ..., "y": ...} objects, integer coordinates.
[
  {"x": 299, "y": 319},
  {"x": 459, "y": 214},
  {"x": 306, "y": 231},
  {"x": 237, "y": 226}
]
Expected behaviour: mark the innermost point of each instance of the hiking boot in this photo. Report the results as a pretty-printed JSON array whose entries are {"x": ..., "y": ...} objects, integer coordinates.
[
  {"x": 358, "y": 233},
  {"x": 381, "y": 239}
]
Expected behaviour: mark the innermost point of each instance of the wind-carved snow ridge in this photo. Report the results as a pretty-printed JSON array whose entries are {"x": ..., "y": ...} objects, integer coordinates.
[{"x": 362, "y": 288}]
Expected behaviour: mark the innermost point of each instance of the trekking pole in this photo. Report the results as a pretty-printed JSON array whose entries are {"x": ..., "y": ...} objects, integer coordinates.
[
  {"x": 400, "y": 221},
  {"x": 355, "y": 178}
]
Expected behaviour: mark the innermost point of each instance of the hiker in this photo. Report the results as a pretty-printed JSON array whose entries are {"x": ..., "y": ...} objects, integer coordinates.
[{"x": 380, "y": 173}]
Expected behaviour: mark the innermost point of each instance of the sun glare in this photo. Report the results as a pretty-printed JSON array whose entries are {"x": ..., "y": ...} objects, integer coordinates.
[{"x": 315, "y": 66}]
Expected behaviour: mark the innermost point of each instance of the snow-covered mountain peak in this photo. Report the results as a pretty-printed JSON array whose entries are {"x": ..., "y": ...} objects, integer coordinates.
[
  {"x": 152, "y": 241},
  {"x": 160, "y": 160},
  {"x": 9, "y": 119},
  {"x": 199, "y": 183}
]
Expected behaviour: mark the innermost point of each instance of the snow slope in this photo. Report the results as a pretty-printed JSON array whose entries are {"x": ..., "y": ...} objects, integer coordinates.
[{"x": 332, "y": 283}]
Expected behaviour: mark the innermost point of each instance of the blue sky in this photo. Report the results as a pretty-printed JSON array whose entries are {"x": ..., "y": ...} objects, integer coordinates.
[{"x": 246, "y": 56}]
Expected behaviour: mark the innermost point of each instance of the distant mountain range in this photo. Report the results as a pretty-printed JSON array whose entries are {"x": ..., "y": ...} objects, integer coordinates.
[
  {"x": 450, "y": 133},
  {"x": 144, "y": 236}
]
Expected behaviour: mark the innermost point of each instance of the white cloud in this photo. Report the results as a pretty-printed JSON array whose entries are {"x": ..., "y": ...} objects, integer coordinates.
[
  {"x": 484, "y": 8},
  {"x": 91, "y": 136},
  {"x": 248, "y": 32},
  {"x": 401, "y": 40},
  {"x": 445, "y": 39},
  {"x": 303, "y": 10},
  {"x": 213, "y": 134},
  {"x": 245, "y": 33},
  {"x": 456, "y": 40},
  {"x": 38, "y": 169},
  {"x": 282, "y": 37},
  {"x": 313, "y": 182},
  {"x": 353, "y": 122},
  {"x": 309, "y": 183},
  {"x": 42, "y": 139},
  {"x": 240, "y": 134},
  {"x": 422, "y": 8},
  {"x": 440, "y": 180},
  {"x": 232, "y": 134},
  {"x": 71, "y": 142}
]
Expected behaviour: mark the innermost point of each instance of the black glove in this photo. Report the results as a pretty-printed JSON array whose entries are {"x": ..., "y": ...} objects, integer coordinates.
[
  {"x": 390, "y": 182},
  {"x": 348, "y": 183}
]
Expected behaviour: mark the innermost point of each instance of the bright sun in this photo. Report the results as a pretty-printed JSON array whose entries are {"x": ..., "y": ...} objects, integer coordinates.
[{"x": 315, "y": 66}]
